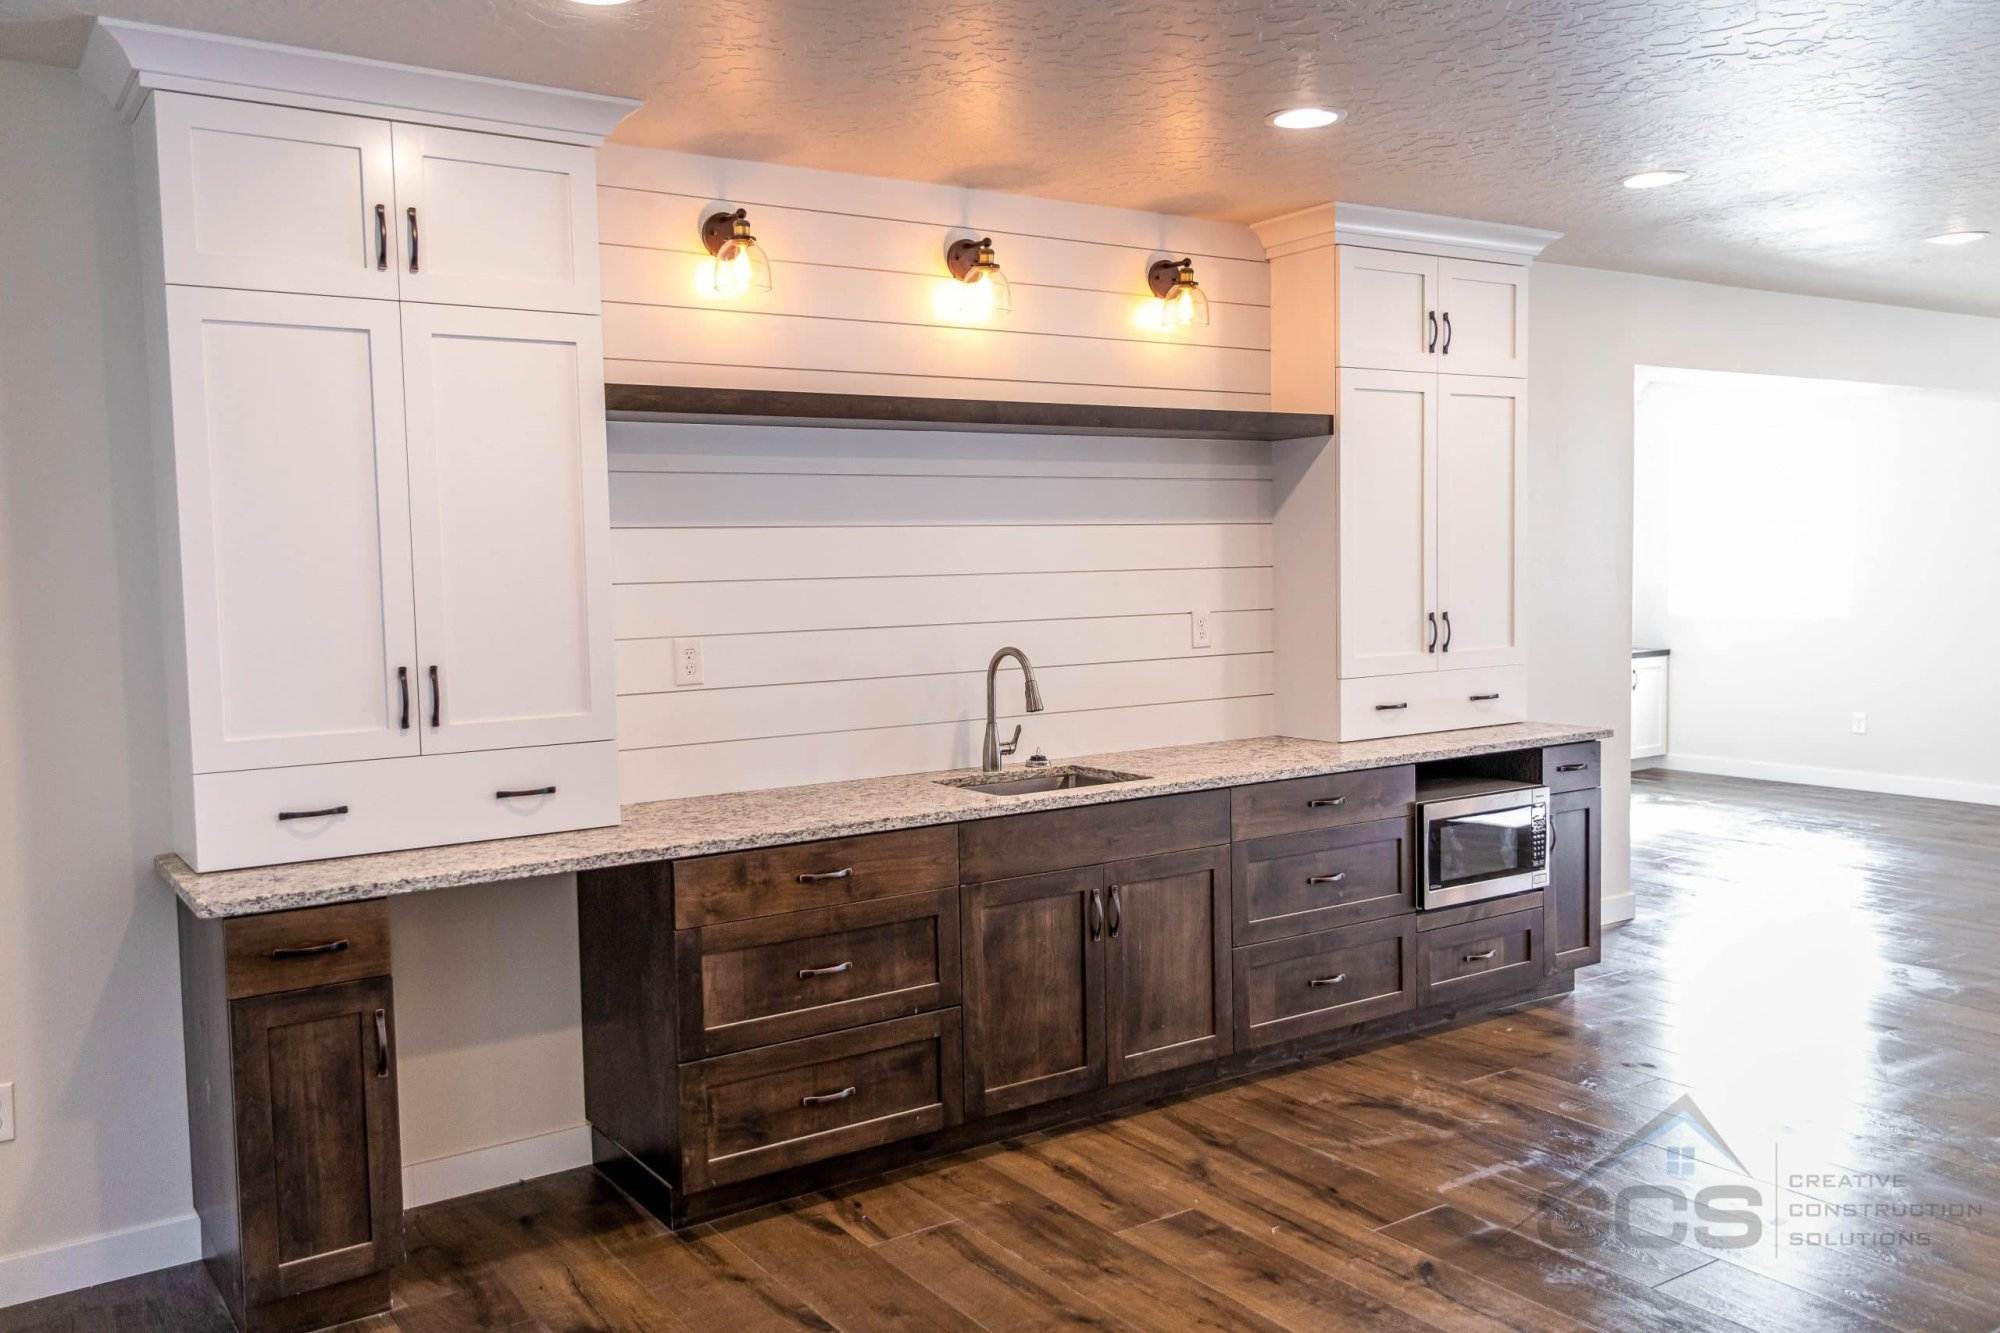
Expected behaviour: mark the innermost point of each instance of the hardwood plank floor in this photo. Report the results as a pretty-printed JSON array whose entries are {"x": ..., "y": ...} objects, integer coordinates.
[{"x": 1819, "y": 971}]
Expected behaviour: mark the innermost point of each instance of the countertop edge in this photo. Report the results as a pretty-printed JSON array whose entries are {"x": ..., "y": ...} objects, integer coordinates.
[{"x": 189, "y": 884}]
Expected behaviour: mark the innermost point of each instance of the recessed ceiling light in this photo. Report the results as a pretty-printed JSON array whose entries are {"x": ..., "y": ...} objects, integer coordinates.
[
  {"x": 1305, "y": 118},
  {"x": 1653, "y": 180},
  {"x": 1957, "y": 237}
]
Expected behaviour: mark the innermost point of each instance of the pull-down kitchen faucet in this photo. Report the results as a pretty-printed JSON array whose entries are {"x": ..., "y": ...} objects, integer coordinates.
[{"x": 989, "y": 761}]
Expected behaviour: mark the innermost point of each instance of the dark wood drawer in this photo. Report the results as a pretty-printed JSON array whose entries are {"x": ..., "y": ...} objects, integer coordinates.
[
  {"x": 1016, "y": 845},
  {"x": 1315, "y": 983},
  {"x": 314, "y": 946},
  {"x": 1303, "y": 882},
  {"x": 736, "y": 886},
  {"x": 779, "y": 978},
  {"x": 766, "y": 1110},
  {"x": 1479, "y": 958},
  {"x": 1572, "y": 767},
  {"x": 1298, "y": 804}
]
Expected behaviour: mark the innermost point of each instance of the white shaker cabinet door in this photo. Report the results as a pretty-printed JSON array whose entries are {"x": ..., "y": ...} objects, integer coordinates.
[
  {"x": 488, "y": 220},
  {"x": 293, "y": 523},
  {"x": 1649, "y": 707},
  {"x": 1483, "y": 308},
  {"x": 1481, "y": 492},
  {"x": 510, "y": 524},
  {"x": 1388, "y": 510},
  {"x": 273, "y": 198},
  {"x": 1388, "y": 309}
]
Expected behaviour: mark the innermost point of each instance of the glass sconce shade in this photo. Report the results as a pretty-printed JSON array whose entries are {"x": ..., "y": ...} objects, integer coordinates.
[
  {"x": 1183, "y": 304},
  {"x": 740, "y": 264}
]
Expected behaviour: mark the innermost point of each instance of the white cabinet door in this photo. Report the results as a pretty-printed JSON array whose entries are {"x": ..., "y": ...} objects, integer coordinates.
[
  {"x": 274, "y": 199},
  {"x": 493, "y": 221},
  {"x": 1481, "y": 495},
  {"x": 292, "y": 510},
  {"x": 1649, "y": 707},
  {"x": 1388, "y": 309},
  {"x": 510, "y": 525},
  {"x": 1388, "y": 511},
  {"x": 1483, "y": 308}
]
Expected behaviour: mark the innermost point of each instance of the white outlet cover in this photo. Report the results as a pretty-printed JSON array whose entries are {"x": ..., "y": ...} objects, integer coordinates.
[
  {"x": 687, "y": 661},
  {"x": 1199, "y": 627},
  {"x": 1861, "y": 724}
]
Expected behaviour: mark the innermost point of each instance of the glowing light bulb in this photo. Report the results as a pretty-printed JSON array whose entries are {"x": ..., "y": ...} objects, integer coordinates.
[
  {"x": 1182, "y": 302},
  {"x": 740, "y": 264}
]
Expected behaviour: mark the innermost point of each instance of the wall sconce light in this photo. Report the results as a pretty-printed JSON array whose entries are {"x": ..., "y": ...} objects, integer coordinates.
[
  {"x": 984, "y": 292},
  {"x": 1183, "y": 304},
  {"x": 740, "y": 264}
]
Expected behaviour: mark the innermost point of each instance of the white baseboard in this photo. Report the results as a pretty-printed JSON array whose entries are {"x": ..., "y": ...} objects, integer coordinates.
[
  {"x": 85, "y": 1263},
  {"x": 491, "y": 1167},
  {"x": 1618, "y": 910},
  {"x": 1851, "y": 779}
]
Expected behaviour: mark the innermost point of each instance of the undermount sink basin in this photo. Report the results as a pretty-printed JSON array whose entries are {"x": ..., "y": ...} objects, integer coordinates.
[{"x": 1065, "y": 778}]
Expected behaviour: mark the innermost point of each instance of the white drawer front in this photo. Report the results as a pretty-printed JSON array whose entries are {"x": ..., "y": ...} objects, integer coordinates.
[
  {"x": 1431, "y": 701},
  {"x": 393, "y": 804}
]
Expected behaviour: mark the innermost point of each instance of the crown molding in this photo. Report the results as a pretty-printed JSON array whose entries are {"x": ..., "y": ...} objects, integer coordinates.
[
  {"x": 127, "y": 62},
  {"x": 1399, "y": 229}
]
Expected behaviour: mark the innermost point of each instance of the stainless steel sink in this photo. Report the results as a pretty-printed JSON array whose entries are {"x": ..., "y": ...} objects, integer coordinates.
[{"x": 1065, "y": 778}]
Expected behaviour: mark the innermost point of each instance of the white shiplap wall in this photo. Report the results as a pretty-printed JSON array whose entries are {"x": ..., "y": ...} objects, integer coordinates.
[{"x": 847, "y": 586}]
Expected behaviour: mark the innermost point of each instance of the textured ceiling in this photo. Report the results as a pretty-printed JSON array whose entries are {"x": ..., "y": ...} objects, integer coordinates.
[{"x": 1828, "y": 137}]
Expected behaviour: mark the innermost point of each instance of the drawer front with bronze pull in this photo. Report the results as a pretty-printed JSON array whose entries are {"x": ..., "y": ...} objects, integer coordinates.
[
  {"x": 1479, "y": 958},
  {"x": 1299, "y": 804},
  {"x": 778, "y": 978},
  {"x": 1303, "y": 882},
  {"x": 1315, "y": 983},
  {"x": 737, "y": 886},
  {"x": 1572, "y": 767},
  {"x": 314, "y": 946},
  {"x": 760, "y": 1111}
]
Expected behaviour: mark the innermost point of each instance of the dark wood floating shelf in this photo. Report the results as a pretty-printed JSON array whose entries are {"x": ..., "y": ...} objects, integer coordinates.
[{"x": 660, "y": 402}]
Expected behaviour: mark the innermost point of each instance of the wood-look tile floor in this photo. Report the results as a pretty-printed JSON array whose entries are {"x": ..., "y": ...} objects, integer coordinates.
[{"x": 1817, "y": 970}]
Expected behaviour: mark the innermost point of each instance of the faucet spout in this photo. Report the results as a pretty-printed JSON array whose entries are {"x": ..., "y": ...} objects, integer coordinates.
[{"x": 992, "y": 751}]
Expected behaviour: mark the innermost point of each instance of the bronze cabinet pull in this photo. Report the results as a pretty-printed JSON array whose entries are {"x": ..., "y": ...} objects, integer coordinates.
[
  {"x": 1333, "y": 980},
  {"x": 437, "y": 699},
  {"x": 1117, "y": 914},
  {"x": 381, "y": 237},
  {"x": 1571, "y": 768},
  {"x": 822, "y": 1098},
  {"x": 1446, "y": 646},
  {"x": 824, "y": 876},
  {"x": 1483, "y": 698},
  {"x": 1324, "y": 802},
  {"x": 381, "y": 1043},
  {"x": 1334, "y": 878},
  {"x": 1432, "y": 645},
  {"x": 413, "y": 240},
  {"x": 1096, "y": 915},
  {"x": 403, "y": 688},
  {"x": 1432, "y": 317},
  {"x": 1389, "y": 708},
  {"x": 525, "y": 791},
  {"x": 1478, "y": 957},
  {"x": 834, "y": 970},
  {"x": 311, "y": 814},
  {"x": 308, "y": 950}
]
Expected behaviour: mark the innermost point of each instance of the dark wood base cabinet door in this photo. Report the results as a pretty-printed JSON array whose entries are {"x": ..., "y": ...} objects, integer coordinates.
[
  {"x": 319, "y": 1164},
  {"x": 1573, "y": 925},
  {"x": 1034, "y": 989},
  {"x": 1167, "y": 981}
]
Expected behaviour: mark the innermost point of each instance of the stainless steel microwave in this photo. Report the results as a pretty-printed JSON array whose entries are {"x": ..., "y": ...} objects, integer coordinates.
[{"x": 1480, "y": 840}]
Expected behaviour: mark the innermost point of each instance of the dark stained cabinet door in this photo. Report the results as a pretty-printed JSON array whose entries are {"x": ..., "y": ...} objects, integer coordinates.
[
  {"x": 1034, "y": 989},
  {"x": 316, "y": 1137},
  {"x": 1573, "y": 927},
  {"x": 1167, "y": 978}
]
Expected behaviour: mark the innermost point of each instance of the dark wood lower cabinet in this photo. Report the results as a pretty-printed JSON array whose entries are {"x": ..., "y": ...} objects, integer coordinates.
[
  {"x": 1573, "y": 909},
  {"x": 1034, "y": 989},
  {"x": 1166, "y": 979}
]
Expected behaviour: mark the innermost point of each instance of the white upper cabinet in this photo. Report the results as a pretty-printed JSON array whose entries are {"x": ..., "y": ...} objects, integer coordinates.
[
  {"x": 488, "y": 220},
  {"x": 274, "y": 198},
  {"x": 1483, "y": 311},
  {"x": 1388, "y": 309},
  {"x": 1481, "y": 491},
  {"x": 511, "y": 526},
  {"x": 294, "y": 528},
  {"x": 1388, "y": 513}
]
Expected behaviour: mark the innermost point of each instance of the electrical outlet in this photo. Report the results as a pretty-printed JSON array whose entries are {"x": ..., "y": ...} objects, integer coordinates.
[
  {"x": 1860, "y": 724},
  {"x": 687, "y": 661},
  {"x": 1200, "y": 628},
  {"x": 6, "y": 1112}
]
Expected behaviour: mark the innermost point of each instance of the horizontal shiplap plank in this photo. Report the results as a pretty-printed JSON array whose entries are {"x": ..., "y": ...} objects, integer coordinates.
[
  {"x": 658, "y": 555},
  {"x": 704, "y": 500},
  {"x": 646, "y": 666},
  {"x": 664, "y": 772},
  {"x": 621, "y": 368},
  {"x": 716, "y": 181},
  {"x": 729, "y": 337},
  {"x": 679, "y": 279},
  {"x": 645, "y": 446},
  {"x": 699, "y": 716},
  {"x": 701, "y": 609}
]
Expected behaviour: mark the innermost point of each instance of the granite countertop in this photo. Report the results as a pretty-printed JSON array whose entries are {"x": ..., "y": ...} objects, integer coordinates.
[{"x": 702, "y": 825}]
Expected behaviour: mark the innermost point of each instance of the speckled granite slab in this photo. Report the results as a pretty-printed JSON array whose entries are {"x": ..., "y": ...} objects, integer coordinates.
[{"x": 700, "y": 825}]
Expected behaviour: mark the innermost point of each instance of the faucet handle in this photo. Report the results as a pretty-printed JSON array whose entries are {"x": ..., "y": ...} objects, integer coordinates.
[{"x": 1008, "y": 747}]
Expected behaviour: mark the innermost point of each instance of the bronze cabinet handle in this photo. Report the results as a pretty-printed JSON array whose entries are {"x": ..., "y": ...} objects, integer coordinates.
[
  {"x": 1446, "y": 349},
  {"x": 823, "y": 1098},
  {"x": 308, "y": 950},
  {"x": 834, "y": 970},
  {"x": 1389, "y": 708},
  {"x": 1096, "y": 915},
  {"x": 381, "y": 1043},
  {"x": 1325, "y": 802},
  {"x": 1432, "y": 317},
  {"x": 1571, "y": 768},
  {"x": 1333, "y": 980},
  {"x": 1117, "y": 913},
  {"x": 437, "y": 699},
  {"x": 413, "y": 240},
  {"x": 1478, "y": 957},
  {"x": 1446, "y": 646},
  {"x": 381, "y": 237},
  {"x": 1483, "y": 698},
  {"x": 826, "y": 876},
  {"x": 1432, "y": 645},
  {"x": 525, "y": 791},
  {"x": 1334, "y": 878},
  {"x": 403, "y": 688},
  {"x": 284, "y": 815}
]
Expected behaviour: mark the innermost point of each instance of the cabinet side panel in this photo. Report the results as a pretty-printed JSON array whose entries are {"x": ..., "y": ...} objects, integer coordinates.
[
  {"x": 625, "y": 942},
  {"x": 1305, "y": 345},
  {"x": 1306, "y": 585},
  {"x": 211, "y": 1103}
]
